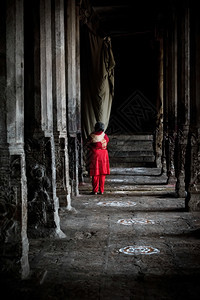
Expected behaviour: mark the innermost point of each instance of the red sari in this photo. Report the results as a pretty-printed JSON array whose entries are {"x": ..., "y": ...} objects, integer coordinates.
[{"x": 99, "y": 160}]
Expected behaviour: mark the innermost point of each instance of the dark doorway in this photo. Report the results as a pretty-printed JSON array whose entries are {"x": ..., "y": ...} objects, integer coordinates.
[{"x": 136, "y": 84}]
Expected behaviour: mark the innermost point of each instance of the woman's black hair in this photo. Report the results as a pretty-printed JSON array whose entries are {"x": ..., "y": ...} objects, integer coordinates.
[{"x": 99, "y": 126}]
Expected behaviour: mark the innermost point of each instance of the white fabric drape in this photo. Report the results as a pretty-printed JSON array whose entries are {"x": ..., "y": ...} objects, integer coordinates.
[{"x": 97, "y": 81}]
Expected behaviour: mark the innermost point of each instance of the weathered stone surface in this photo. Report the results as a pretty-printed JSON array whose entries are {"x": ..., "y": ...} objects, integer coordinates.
[{"x": 88, "y": 264}]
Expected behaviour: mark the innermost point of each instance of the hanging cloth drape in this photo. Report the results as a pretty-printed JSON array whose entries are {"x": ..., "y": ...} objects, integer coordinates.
[
  {"x": 98, "y": 89},
  {"x": 97, "y": 78}
]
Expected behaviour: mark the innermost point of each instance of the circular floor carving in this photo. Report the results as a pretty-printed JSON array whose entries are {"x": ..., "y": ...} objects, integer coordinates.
[
  {"x": 116, "y": 203},
  {"x": 135, "y": 221},
  {"x": 136, "y": 250}
]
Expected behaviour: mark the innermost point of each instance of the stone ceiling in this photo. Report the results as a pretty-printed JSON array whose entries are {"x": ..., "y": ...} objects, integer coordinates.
[{"x": 127, "y": 17}]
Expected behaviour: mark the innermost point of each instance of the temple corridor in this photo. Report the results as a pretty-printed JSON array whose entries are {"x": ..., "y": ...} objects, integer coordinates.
[
  {"x": 88, "y": 262},
  {"x": 134, "y": 68}
]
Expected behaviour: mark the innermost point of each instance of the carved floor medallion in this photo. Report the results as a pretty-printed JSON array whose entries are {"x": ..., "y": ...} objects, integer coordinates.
[
  {"x": 116, "y": 203},
  {"x": 129, "y": 222},
  {"x": 136, "y": 250}
]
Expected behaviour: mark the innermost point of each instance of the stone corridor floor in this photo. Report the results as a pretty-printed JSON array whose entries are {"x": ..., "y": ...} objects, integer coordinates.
[{"x": 134, "y": 242}]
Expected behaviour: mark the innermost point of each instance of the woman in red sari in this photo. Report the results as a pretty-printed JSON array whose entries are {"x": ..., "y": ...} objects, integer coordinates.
[{"x": 99, "y": 161}]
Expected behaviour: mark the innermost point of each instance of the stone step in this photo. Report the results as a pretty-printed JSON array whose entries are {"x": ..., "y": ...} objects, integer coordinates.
[
  {"x": 133, "y": 181},
  {"x": 129, "y": 159},
  {"x": 135, "y": 171},
  {"x": 122, "y": 188},
  {"x": 135, "y": 164},
  {"x": 131, "y": 146},
  {"x": 131, "y": 150},
  {"x": 132, "y": 154},
  {"x": 139, "y": 189},
  {"x": 133, "y": 176},
  {"x": 132, "y": 137},
  {"x": 150, "y": 180}
]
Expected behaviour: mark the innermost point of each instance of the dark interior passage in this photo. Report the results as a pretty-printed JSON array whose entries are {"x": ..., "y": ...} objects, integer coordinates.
[
  {"x": 134, "y": 107},
  {"x": 136, "y": 101},
  {"x": 134, "y": 30}
]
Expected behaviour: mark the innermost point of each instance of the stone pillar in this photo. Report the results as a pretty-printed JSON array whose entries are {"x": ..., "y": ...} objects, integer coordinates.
[
  {"x": 63, "y": 188},
  {"x": 171, "y": 142},
  {"x": 13, "y": 192},
  {"x": 183, "y": 107},
  {"x": 78, "y": 97},
  {"x": 72, "y": 95},
  {"x": 159, "y": 125},
  {"x": 78, "y": 74},
  {"x": 193, "y": 199},
  {"x": 182, "y": 141},
  {"x": 171, "y": 98},
  {"x": 43, "y": 203}
]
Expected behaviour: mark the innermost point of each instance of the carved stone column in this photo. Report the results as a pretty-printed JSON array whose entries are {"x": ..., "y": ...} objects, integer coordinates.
[
  {"x": 164, "y": 158},
  {"x": 73, "y": 121},
  {"x": 194, "y": 185},
  {"x": 63, "y": 188},
  {"x": 183, "y": 105},
  {"x": 171, "y": 97},
  {"x": 193, "y": 199},
  {"x": 13, "y": 185},
  {"x": 159, "y": 125},
  {"x": 78, "y": 104},
  {"x": 43, "y": 202},
  {"x": 171, "y": 141},
  {"x": 73, "y": 163},
  {"x": 80, "y": 158},
  {"x": 182, "y": 143}
]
